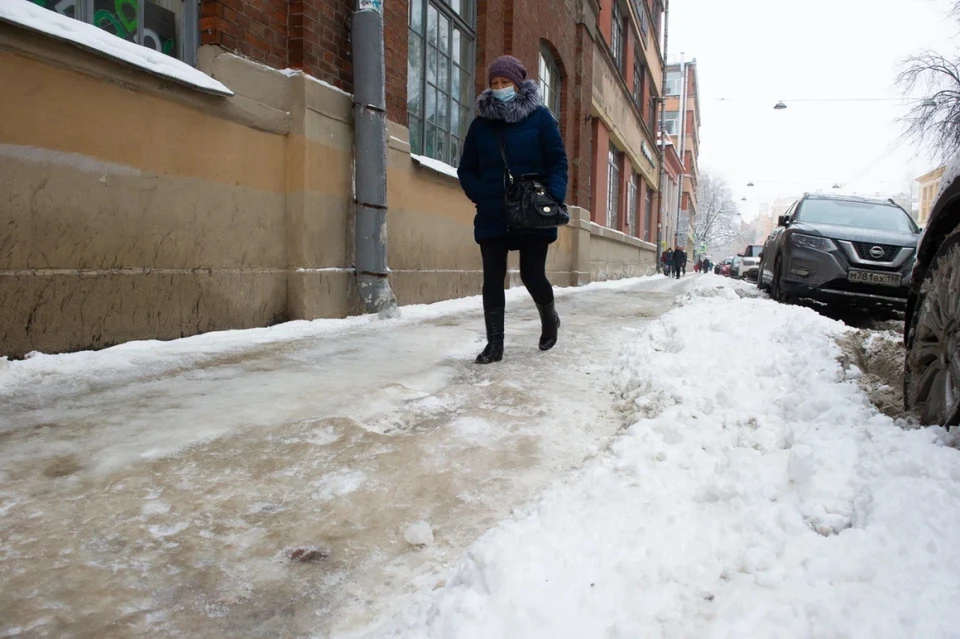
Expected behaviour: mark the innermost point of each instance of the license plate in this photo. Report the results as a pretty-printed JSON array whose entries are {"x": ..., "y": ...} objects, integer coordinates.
[{"x": 872, "y": 277}]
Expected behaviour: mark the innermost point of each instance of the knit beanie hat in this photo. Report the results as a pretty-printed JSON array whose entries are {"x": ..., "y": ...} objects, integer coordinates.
[{"x": 507, "y": 66}]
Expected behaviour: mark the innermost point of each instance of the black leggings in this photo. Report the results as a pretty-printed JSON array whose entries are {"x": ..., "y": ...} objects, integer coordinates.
[{"x": 533, "y": 262}]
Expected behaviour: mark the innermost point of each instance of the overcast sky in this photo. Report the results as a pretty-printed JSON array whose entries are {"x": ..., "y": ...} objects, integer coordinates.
[{"x": 756, "y": 52}]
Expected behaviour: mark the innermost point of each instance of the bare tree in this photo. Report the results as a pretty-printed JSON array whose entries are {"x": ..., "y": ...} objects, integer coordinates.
[
  {"x": 718, "y": 220},
  {"x": 934, "y": 122}
]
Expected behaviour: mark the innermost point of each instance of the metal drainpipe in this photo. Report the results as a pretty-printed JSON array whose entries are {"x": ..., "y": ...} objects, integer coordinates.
[
  {"x": 683, "y": 146},
  {"x": 370, "y": 160},
  {"x": 663, "y": 152}
]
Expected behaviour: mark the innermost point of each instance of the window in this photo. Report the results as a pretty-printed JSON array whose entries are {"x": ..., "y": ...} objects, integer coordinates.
[
  {"x": 613, "y": 186},
  {"x": 440, "y": 64},
  {"x": 632, "y": 205},
  {"x": 639, "y": 73},
  {"x": 652, "y": 115},
  {"x": 867, "y": 215},
  {"x": 648, "y": 216},
  {"x": 167, "y": 26},
  {"x": 674, "y": 83},
  {"x": 671, "y": 123},
  {"x": 616, "y": 36},
  {"x": 550, "y": 82}
]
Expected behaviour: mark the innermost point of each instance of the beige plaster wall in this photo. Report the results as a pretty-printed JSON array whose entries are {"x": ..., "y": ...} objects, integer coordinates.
[{"x": 136, "y": 209}]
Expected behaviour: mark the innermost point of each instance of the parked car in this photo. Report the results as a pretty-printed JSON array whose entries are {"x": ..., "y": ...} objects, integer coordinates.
[
  {"x": 725, "y": 266},
  {"x": 841, "y": 249},
  {"x": 750, "y": 262},
  {"x": 932, "y": 322}
]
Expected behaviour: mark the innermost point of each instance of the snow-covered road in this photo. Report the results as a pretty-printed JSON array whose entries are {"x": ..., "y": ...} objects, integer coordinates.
[
  {"x": 707, "y": 471},
  {"x": 159, "y": 489}
]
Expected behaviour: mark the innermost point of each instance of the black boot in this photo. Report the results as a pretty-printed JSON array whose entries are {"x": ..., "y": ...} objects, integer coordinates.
[
  {"x": 494, "y": 350},
  {"x": 549, "y": 322}
]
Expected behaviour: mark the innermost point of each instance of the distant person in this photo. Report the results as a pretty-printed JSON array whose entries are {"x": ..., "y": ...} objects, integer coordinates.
[
  {"x": 679, "y": 259},
  {"x": 667, "y": 261},
  {"x": 512, "y": 121}
]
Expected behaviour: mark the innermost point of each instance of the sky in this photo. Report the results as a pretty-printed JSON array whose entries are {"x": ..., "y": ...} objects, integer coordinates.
[{"x": 752, "y": 53}]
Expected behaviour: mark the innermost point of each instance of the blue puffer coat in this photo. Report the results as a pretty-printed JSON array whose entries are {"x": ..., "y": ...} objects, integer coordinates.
[{"x": 533, "y": 145}]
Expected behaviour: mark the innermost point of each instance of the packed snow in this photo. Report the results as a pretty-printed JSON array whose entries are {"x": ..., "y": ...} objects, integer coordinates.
[
  {"x": 27, "y": 14},
  {"x": 757, "y": 493}
]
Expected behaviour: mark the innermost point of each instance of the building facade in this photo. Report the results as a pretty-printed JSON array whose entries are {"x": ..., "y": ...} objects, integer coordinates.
[
  {"x": 929, "y": 187},
  {"x": 682, "y": 123},
  {"x": 625, "y": 94},
  {"x": 151, "y": 198}
]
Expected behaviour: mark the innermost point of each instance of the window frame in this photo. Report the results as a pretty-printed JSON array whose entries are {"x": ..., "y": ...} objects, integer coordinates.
[
  {"x": 613, "y": 186},
  {"x": 648, "y": 214},
  {"x": 468, "y": 64},
  {"x": 633, "y": 192},
  {"x": 617, "y": 36},
  {"x": 639, "y": 79},
  {"x": 84, "y": 11},
  {"x": 678, "y": 80},
  {"x": 548, "y": 61}
]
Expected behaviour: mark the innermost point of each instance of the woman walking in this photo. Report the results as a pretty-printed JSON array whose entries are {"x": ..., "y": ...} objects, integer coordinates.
[{"x": 511, "y": 113}]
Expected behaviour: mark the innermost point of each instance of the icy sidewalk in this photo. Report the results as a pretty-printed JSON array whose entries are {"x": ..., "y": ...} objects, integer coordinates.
[
  {"x": 259, "y": 483},
  {"x": 757, "y": 494}
]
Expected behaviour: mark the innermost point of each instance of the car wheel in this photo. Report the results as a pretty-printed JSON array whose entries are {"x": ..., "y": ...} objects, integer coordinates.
[
  {"x": 760, "y": 278},
  {"x": 776, "y": 289},
  {"x": 932, "y": 366}
]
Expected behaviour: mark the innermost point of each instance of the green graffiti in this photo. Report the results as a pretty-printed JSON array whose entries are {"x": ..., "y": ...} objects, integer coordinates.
[
  {"x": 121, "y": 23},
  {"x": 104, "y": 19},
  {"x": 129, "y": 23}
]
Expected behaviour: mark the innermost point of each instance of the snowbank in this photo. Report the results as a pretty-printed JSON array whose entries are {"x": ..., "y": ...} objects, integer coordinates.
[
  {"x": 31, "y": 16},
  {"x": 757, "y": 494}
]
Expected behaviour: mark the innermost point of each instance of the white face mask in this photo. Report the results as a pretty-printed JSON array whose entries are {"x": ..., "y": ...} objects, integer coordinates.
[{"x": 505, "y": 95}]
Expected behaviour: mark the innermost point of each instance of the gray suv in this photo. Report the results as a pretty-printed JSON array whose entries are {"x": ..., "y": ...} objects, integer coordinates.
[{"x": 848, "y": 250}]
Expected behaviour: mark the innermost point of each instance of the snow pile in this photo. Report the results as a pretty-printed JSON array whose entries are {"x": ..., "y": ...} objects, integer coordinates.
[
  {"x": 27, "y": 14},
  {"x": 419, "y": 534},
  {"x": 757, "y": 494}
]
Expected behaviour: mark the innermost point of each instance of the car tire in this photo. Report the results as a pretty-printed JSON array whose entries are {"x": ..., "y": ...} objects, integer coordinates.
[
  {"x": 776, "y": 289},
  {"x": 760, "y": 278},
  {"x": 931, "y": 381}
]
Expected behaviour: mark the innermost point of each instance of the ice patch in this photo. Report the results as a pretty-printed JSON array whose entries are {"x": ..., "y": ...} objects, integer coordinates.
[
  {"x": 337, "y": 484},
  {"x": 160, "y": 532},
  {"x": 155, "y": 508}
]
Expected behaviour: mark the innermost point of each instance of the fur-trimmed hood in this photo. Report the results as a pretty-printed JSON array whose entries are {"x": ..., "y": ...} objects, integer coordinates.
[{"x": 517, "y": 109}]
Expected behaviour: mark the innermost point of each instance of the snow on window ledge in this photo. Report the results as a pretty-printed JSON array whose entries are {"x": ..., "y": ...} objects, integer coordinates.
[
  {"x": 28, "y": 15},
  {"x": 435, "y": 165}
]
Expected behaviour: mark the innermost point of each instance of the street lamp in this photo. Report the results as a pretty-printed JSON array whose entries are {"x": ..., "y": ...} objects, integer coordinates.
[
  {"x": 928, "y": 103},
  {"x": 743, "y": 199},
  {"x": 749, "y": 183},
  {"x": 836, "y": 186},
  {"x": 780, "y": 106}
]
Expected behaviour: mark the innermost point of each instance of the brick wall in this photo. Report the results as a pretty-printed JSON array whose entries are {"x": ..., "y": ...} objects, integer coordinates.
[{"x": 313, "y": 35}]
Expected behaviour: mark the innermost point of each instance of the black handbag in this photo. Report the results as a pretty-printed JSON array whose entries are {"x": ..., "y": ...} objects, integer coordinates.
[{"x": 526, "y": 202}]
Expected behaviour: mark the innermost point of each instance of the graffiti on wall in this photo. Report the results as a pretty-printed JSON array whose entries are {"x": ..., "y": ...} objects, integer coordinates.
[{"x": 120, "y": 17}]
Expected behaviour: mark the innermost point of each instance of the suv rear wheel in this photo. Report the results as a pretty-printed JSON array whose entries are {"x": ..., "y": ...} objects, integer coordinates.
[{"x": 932, "y": 367}]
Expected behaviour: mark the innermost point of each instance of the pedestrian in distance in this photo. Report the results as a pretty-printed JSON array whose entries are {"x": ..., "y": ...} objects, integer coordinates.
[
  {"x": 667, "y": 261},
  {"x": 511, "y": 113},
  {"x": 679, "y": 259}
]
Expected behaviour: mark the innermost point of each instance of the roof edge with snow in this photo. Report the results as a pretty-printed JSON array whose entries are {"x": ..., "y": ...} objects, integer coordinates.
[{"x": 25, "y": 14}]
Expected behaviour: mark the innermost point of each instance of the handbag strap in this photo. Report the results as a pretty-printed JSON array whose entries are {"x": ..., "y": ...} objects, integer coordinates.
[{"x": 503, "y": 154}]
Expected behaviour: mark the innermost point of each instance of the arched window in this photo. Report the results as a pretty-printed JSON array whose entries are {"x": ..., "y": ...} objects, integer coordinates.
[{"x": 550, "y": 81}]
